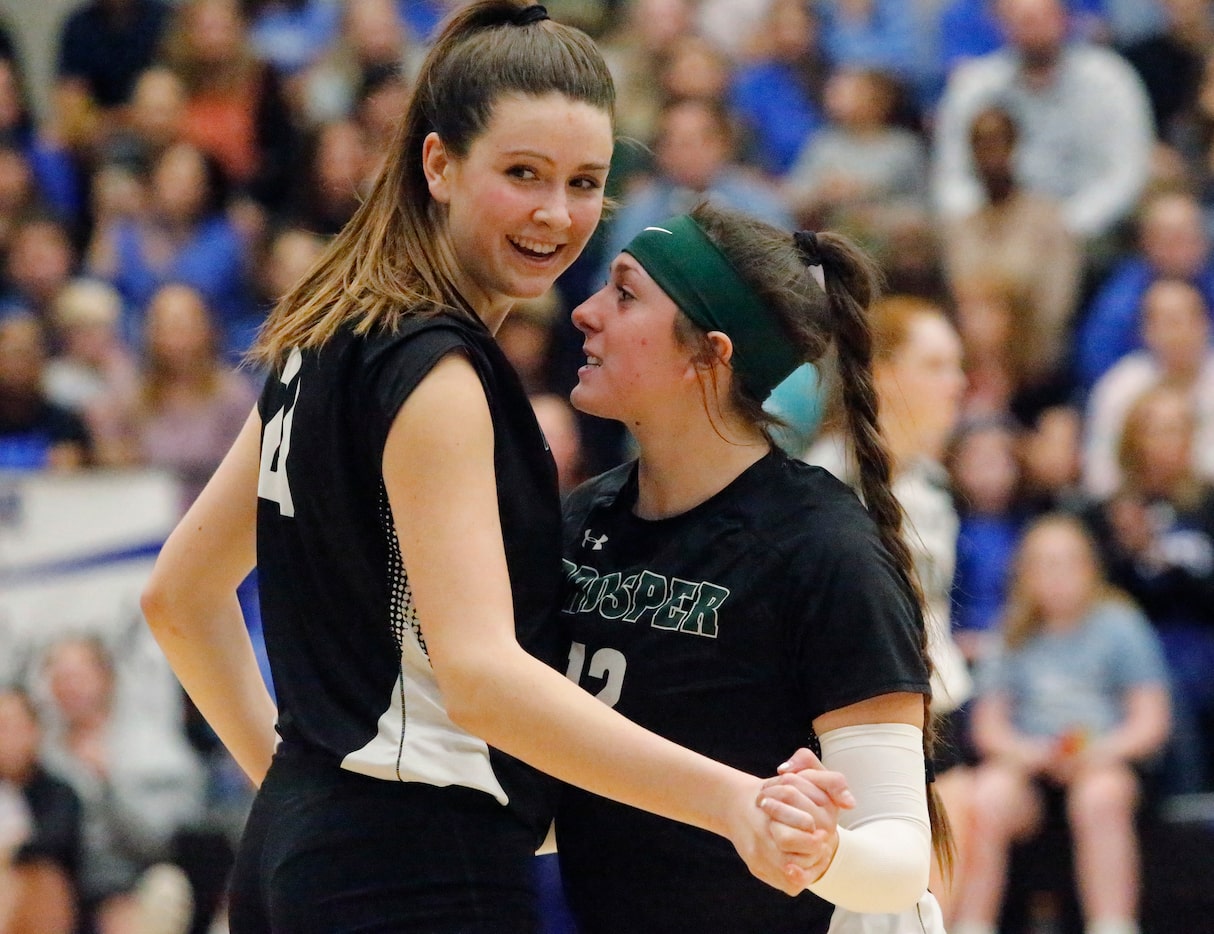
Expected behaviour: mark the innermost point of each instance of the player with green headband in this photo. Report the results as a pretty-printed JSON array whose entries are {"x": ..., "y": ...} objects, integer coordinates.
[{"x": 738, "y": 601}]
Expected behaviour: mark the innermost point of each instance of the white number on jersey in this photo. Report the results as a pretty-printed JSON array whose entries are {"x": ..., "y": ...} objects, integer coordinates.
[
  {"x": 608, "y": 664},
  {"x": 276, "y": 444}
]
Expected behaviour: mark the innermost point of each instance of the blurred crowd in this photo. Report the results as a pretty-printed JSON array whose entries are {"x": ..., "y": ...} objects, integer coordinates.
[{"x": 1040, "y": 173}]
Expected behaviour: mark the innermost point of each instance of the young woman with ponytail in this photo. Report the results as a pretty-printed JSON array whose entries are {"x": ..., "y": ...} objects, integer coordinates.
[
  {"x": 399, "y": 500},
  {"x": 738, "y": 601}
]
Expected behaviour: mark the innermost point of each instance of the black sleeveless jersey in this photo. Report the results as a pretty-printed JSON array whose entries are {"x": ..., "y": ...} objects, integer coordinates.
[
  {"x": 349, "y": 662},
  {"x": 727, "y": 629}
]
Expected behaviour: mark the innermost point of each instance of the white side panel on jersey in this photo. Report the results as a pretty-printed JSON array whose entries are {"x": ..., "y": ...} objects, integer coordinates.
[
  {"x": 415, "y": 740},
  {"x": 434, "y": 750}
]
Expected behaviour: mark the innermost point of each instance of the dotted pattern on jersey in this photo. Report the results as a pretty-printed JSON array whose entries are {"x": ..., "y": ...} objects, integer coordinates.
[{"x": 403, "y": 612}]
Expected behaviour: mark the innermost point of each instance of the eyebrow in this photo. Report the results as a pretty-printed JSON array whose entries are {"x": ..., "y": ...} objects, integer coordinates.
[{"x": 531, "y": 153}]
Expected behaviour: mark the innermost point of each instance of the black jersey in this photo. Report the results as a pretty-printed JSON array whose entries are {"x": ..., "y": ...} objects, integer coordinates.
[
  {"x": 349, "y": 662},
  {"x": 727, "y": 629}
]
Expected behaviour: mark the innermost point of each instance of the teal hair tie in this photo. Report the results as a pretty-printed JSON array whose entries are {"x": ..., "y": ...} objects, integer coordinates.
[{"x": 700, "y": 279}]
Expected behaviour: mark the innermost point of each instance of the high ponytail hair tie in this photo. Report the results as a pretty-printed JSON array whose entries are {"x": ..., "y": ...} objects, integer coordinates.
[
  {"x": 811, "y": 254},
  {"x": 527, "y": 15}
]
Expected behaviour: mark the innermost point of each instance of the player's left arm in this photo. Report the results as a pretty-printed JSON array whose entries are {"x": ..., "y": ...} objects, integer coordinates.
[{"x": 878, "y": 853}]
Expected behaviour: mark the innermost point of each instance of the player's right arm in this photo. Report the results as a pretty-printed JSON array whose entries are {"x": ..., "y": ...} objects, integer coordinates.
[
  {"x": 190, "y": 604},
  {"x": 438, "y": 470}
]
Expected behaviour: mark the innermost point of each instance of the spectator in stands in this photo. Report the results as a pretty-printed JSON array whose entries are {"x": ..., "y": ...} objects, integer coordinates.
[
  {"x": 372, "y": 38},
  {"x": 985, "y": 474},
  {"x": 1157, "y": 533},
  {"x": 155, "y": 119},
  {"x": 35, "y": 433},
  {"x": 290, "y": 253},
  {"x": 1051, "y": 459},
  {"x": 695, "y": 69},
  {"x": 777, "y": 95},
  {"x": 872, "y": 34},
  {"x": 380, "y": 104},
  {"x": 290, "y": 35},
  {"x": 188, "y": 406},
  {"x": 1018, "y": 236},
  {"x": 1176, "y": 335},
  {"x": 635, "y": 52},
  {"x": 859, "y": 168},
  {"x": 335, "y": 180},
  {"x": 39, "y": 880},
  {"x": 19, "y": 194},
  {"x": 93, "y": 361},
  {"x": 50, "y": 163},
  {"x": 695, "y": 160},
  {"x": 139, "y": 783},
  {"x": 235, "y": 109},
  {"x": 1170, "y": 60},
  {"x": 103, "y": 46},
  {"x": 41, "y": 260},
  {"x": 1085, "y": 119},
  {"x": 1071, "y": 709},
  {"x": 1172, "y": 244},
  {"x": 183, "y": 236}
]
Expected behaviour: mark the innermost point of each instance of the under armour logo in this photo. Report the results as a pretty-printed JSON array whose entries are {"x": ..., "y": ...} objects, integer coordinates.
[{"x": 596, "y": 544}]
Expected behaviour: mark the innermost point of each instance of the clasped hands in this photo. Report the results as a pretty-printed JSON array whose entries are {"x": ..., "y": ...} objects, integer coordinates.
[{"x": 790, "y": 836}]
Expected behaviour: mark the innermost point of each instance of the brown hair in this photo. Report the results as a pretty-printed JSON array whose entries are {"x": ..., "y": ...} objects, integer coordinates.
[
  {"x": 770, "y": 262},
  {"x": 389, "y": 260}
]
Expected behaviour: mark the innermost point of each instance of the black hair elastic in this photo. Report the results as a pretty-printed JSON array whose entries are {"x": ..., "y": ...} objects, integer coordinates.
[
  {"x": 807, "y": 246},
  {"x": 535, "y": 13}
]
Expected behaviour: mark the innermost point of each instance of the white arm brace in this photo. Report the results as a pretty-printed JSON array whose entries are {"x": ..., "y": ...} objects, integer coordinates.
[{"x": 885, "y": 841}]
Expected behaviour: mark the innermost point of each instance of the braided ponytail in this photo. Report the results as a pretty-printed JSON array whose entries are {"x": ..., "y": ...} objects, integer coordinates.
[{"x": 851, "y": 284}]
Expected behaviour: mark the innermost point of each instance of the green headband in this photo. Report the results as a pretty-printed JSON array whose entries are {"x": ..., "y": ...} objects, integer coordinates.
[{"x": 697, "y": 276}]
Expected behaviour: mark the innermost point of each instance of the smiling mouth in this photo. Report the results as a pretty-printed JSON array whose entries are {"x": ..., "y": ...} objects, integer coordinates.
[{"x": 535, "y": 249}]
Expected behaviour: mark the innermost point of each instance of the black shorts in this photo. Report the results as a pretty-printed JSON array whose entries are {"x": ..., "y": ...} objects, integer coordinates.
[{"x": 328, "y": 851}]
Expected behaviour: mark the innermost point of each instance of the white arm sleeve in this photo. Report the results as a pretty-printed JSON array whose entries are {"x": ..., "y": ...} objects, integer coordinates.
[{"x": 885, "y": 841}]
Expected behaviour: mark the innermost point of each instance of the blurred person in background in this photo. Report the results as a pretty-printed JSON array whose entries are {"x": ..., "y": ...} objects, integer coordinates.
[
  {"x": 184, "y": 236},
  {"x": 372, "y": 38},
  {"x": 695, "y": 160},
  {"x": 40, "y": 261},
  {"x": 1170, "y": 61},
  {"x": 92, "y": 360},
  {"x": 1172, "y": 244},
  {"x": 1072, "y": 711},
  {"x": 1016, "y": 235},
  {"x": 235, "y": 109},
  {"x": 1051, "y": 459},
  {"x": 140, "y": 784},
  {"x": 335, "y": 178},
  {"x": 56, "y": 176},
  {"x": 1177, "y": 351},
  {"x": 1157, "y": 536},
  {"x": 38, "y": 884},
  {"x": 103, "y": 45},
  {"x": 985, "y": 474},
  {"x": 35, "y": 433},
  {"x": 777, "y": 90},
  {"x": 860, "y": 166},
  {"x": 155, "y": 119},
  {"x": 1085, "y": 119},
  {"x": 188, "y": 405}
]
